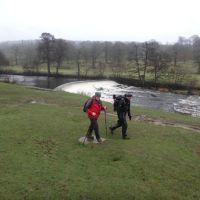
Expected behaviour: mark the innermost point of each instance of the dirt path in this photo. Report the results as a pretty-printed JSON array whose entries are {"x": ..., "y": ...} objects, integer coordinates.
[
  {"x": 145, "y": 118},
  {"x": 162, "y": 122}
]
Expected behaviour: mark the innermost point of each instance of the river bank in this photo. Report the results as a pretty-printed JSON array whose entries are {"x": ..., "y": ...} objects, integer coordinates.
[
  {"x": 165, "y": 101},
  {"x": 163, "y": 87}
]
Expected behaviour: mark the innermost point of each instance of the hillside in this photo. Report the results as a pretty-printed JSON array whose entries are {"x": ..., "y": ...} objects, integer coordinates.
[{"x": 42, "y": 159}]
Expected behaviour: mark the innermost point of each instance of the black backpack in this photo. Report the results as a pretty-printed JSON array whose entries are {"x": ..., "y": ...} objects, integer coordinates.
[
  {"x": 117, "y": 99},
  {"x": 87, "y": 104}
]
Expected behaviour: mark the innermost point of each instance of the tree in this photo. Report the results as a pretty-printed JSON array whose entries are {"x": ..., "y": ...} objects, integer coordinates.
[
  {"x": 29, "y": 59},
  {"x": 107, "y": 51},
  {"x": 196, "y": 51},
  {"x": 16, "y": 53},
  {"x": 82, "y": 57},
  {"x": 138, "y": 53},
  {"x": 3, "y": 60},
  {"x": 101, "y": 66},
  {"x": 78, "y": 61},
  {"x": 59, "y": 52},
  {"x": 118, "y": 56},
  {"x": 85, "y": 50},
  {"x": 184, "y": 49},
  {"x": 133, "y": 56},
  {"x": 46, "y": 49},
  {"x": 159, "y": 60},
  {"x": 95, "y": 52}
]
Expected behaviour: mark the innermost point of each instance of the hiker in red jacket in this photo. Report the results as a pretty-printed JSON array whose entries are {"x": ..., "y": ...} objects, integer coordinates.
[{"x": 94, "y": 109}]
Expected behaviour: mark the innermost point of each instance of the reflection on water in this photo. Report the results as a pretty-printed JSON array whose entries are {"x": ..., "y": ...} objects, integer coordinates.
[{"x": 37, "y": 81}]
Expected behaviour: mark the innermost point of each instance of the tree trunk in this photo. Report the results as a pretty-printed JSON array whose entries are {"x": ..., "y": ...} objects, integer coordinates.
[
  {"x": 155, "y": 74},
  {"x": 57, "y": 67},
  {"x": 78, "y": 73},
  {"x": 138, "y": 70},
  {"x": 137, "y": 62},
  {"x": 93, "y": 62},
  {"x": 145, "y": 62},
  {"x": 199, "y": 69},
  {"x": 16, "y": 61},
  {"x": 48, "y": 67}
]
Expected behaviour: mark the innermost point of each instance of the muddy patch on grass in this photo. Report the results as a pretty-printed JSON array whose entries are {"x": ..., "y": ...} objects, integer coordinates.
[
  {"x": 162, "y": 122},
  {"x": 40, "y": 102},
  {"x": 48, "y": 146}
]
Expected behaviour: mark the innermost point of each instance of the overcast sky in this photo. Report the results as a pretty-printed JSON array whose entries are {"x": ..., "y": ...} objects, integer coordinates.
[{"x": 105, "y": 20}]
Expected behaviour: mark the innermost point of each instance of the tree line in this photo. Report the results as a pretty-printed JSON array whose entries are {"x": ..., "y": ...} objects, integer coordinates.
[{"x": 132, "y": 59}]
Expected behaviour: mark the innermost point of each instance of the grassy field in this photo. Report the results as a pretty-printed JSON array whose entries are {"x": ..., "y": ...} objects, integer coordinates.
[{"x": 42, "y": 159}]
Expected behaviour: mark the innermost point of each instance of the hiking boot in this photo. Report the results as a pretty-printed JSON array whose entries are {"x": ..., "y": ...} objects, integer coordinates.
[
  {"x": 111, "y": 130},
  {"x": 90, "y": 137},
  {"x": 126, "y": 138},
  {"x": 99, "y": 140}
]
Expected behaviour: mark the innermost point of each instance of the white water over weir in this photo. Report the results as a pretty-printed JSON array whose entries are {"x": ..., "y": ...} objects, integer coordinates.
[{"x": 141, "y": 97}]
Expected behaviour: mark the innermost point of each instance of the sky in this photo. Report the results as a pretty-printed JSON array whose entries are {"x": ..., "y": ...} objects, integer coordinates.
[{"x": 100, "y": 20}]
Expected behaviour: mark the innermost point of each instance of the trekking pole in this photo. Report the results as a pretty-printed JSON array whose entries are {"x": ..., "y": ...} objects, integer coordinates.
[
  {"x": 84, "y": 140},
  {"x": 85, "y": 137},
  {"x": 105, "y": 122}
]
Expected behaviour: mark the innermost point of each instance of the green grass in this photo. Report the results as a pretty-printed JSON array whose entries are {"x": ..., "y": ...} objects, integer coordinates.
[
  {"x": 16, "y": 68},
  {"x": 42, "y": 159}
]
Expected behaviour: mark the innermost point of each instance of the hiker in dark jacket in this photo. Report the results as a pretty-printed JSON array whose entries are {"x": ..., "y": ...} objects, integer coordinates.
[
  {"x": 93, "y": 112},
  {"x": 123, "y": 108}
]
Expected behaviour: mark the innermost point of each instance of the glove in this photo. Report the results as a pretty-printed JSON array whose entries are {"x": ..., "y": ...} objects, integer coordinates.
[{"x": 130, "y": 117}]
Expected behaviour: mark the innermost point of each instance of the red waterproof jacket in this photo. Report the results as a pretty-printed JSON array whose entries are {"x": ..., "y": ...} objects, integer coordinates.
[{"x": 96, "y": 107}]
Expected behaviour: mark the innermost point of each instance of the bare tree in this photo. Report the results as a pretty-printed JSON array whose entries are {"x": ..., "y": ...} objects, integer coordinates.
[
  {"x": 29, "y": 59},
  {"x": 85, "y": 52},
  {"x": 101, "y": 66},
  {"x": 196, "y": 51},
  {"x": 144, "y": 58},
  {"x": 16, "y": 53},
  {"x": 107, "y": 51},
  {"x": 118, "y": 56},
  {"x": 95, "y": 52},
  {"x": 59, "y": 52},
  {"x": 78, "y": 61},
  {"x": 46, "y": 49},
  {"x": 184, "y": 49},
  {"x": 137, "y": 62},
  {"x": 139, "y": 54},
  {"x": 3, "y": 60},
  {"x": 159, "y": 60},
  {"x": 82, "y": 58}
]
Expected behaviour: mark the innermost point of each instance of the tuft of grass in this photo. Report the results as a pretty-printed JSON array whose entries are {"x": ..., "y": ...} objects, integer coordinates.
[{"x": 42, "y": 159}]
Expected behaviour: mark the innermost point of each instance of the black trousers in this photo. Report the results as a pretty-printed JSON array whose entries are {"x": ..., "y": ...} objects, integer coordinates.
[
  {"x": 121, "y": 123},
  {"x": 94, "y": 126}
]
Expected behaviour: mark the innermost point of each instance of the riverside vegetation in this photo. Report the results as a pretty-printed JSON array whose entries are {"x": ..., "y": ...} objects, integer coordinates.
[
  {"x": 190, "y": 85},
  {"x": 147, "y": 64},
  {"x": 42, "y": 159}
]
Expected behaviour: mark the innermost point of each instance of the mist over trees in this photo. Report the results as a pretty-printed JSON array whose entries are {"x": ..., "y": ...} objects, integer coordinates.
[
  {"x": 3, "y": 60},
  {"x": 149, "y": 60}
]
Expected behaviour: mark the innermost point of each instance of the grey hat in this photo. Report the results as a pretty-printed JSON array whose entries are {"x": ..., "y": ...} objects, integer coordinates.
[{"x": 97, "y": 94}]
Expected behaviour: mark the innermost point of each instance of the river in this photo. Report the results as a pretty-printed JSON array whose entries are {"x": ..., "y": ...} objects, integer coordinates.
[
  {"x": 169, "y": 102},
  {"x": 36, "y": 81}
]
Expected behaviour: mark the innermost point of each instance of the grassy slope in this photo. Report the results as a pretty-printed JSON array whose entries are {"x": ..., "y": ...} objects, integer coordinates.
[{"x": 41, "y": 158}]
